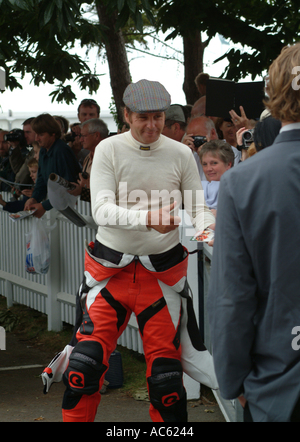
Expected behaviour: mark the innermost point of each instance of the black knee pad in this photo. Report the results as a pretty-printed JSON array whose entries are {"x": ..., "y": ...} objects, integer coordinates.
[
  {"x": 166, "y": 390},
  {"x": 85, "y": 368}
]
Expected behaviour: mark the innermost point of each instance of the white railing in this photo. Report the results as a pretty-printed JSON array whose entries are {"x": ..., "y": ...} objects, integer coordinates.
[{"x": 55, "y": 293}]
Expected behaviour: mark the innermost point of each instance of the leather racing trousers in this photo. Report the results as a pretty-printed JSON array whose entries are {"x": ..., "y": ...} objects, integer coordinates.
[{"x": 114, "y": 286}]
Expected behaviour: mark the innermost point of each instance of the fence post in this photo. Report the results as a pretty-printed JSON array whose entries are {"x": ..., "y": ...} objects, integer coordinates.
[
  {"x": 9, "y": 294},
  {"x": 54, "y": 277},
  {"x": 2, "y": 339},
  {"x": 193, "y": 387}
]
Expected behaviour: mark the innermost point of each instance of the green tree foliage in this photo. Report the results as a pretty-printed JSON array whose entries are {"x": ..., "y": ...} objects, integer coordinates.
[
  {"x": 265, "y": 26},
  {"x": 37, "y": 37}
]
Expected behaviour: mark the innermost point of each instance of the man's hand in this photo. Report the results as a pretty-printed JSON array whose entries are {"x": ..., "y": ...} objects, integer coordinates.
[
  {"x": 162, "y": 221},
  {"x": 240, "y": 121},
  {"x": 32, "y": 204},
  {"x": 212, "y": 227},
  {"x": 27, "y": 192},
  {"x": 79, "y": 186},
  {"x": 239, "y": 135},
  {"x": 189, "y": 141},
  {"x": 77, "y": 191},
  {"x": 242, "y": 401},
  {"x": 40, "y": 211}
]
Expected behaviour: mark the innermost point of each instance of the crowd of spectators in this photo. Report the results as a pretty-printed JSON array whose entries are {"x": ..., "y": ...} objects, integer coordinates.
[
  {"x": 217, "y": 145},
  {"x": 68, "y": 150},
  {"x": 48, "y": 145},
  {"x": 56, "y": 148}
]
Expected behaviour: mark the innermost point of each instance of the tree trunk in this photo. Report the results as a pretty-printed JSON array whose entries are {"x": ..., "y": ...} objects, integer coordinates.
[
  {"x": 116, "y": 56},
  {"x": 193, "y": 64}
]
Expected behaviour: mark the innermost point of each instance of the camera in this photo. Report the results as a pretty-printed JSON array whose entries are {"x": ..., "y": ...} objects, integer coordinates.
[
  {"x": 70, "y": 137},
  {"x": 199, "y": 141},
  {"x": 248, "y": 138},
  {"x": 16, "y": 135}
]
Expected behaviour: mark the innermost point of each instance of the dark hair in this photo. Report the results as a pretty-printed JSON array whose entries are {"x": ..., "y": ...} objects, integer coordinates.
[
  {"x": 220, "y": 149},
  {"x": 64, "y": 123},
  {"x": 265, "y": 132},
  {"x": 202, "y": 78},
  {"x": 89, "y": 102},
  {"x": 28, "y": 121},
  {"x": 170, "y": 123},
  {"x": 45, "y": 123}
]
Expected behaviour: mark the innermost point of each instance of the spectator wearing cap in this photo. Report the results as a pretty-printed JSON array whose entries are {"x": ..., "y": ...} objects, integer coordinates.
[
  {"x": 131, "y": 266},
  {"x": 175, "y": 125}
]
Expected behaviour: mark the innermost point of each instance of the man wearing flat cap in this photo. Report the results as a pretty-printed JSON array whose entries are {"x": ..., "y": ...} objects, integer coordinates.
[
  {"x": 175, "y": 124},
  {"x": 137, "y": 263}
]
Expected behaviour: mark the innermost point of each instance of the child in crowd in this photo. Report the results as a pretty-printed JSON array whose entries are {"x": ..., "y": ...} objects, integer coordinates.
[
  {"x": 17, "y": 206},
  {"x": 216, "y": 158}
]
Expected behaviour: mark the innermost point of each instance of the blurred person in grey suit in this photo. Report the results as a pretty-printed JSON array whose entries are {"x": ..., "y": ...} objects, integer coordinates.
[{"x": 254, "y": 302}]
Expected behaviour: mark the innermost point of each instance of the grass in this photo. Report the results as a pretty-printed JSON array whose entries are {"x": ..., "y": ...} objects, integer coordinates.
[{"x": 31, "y": 326}]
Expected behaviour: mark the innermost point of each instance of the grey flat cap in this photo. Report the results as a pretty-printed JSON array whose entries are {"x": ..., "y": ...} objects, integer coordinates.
[
  {"x": 175, "y": 113},
  {"x": 147, "y": 96}
]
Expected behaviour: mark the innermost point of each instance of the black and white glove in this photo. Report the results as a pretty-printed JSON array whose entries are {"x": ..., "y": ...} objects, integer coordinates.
[{"x": 55, "y": 370}]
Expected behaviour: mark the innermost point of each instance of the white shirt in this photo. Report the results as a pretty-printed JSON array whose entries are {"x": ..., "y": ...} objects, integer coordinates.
[{"x": 126, "y": 181}]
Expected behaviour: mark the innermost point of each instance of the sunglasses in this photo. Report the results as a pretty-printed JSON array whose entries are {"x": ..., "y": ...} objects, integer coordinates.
[{"x": 88, "y": 101}]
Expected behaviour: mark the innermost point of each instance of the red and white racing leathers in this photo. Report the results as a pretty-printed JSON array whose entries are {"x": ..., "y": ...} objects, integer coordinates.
[{"x": 154, "y": 288}]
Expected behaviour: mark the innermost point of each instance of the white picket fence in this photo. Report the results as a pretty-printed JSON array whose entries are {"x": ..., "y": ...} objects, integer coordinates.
[{"x": 55, "y": 293}]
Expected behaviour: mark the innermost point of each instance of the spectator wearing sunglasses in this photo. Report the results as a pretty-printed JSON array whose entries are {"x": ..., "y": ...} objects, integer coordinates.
[{"x": 87, "y": 110}]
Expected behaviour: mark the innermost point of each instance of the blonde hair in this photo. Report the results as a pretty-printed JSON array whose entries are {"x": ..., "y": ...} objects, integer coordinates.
[
  {"x": 283, "y": 87},
  {"x": 33, "y": 163}
]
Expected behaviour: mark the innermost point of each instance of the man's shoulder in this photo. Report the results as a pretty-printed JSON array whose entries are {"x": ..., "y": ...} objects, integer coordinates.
[
  {"x": 60, "y": 144},
  {"x": 259, "y": 170},
  {"x": 61, "y": 149}
]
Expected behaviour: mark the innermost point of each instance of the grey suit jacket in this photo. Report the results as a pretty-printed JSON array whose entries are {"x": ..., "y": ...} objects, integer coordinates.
[{"x": 254, "y": 296}]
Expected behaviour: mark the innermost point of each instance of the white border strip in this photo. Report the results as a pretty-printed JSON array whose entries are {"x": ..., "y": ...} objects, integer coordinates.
[{"x": 21, "y": 367}]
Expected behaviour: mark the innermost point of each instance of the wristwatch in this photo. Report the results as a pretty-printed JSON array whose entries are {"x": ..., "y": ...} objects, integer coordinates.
[{"x": 242, "y": 147}]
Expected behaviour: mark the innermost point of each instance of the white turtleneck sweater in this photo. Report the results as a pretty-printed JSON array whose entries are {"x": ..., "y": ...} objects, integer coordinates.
[{"x": 128, "y": 180}]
